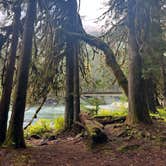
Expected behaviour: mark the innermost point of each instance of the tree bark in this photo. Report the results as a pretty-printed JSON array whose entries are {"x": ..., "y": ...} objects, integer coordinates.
[
  {"x": 138, "y": 111},
  {"x": 15, "y": 135},
  {"x": 150, "y": 95},
  {"x": 69, "y": 106},
  {"x": 7, "y": 89},
  {"x": 76, "y": 84},
  {"x": 163, "y": 74},
  {"x": 72, "y": 68}
]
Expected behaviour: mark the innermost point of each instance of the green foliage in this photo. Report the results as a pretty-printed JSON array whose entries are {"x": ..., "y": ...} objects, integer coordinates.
[
  {"x": 121, "y": 111},
  {"x": 123, "y": 98},
  {"x": 59, "y": 124},
  {"x": 161, "y": 114},
  {"x": 39, "y": 127},
  {"x": 96, "y": 102},
  {"x": 43, "y": 126}
]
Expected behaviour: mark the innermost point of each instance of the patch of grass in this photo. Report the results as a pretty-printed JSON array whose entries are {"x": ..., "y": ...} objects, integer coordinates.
[{"x": 43, "y": 126}]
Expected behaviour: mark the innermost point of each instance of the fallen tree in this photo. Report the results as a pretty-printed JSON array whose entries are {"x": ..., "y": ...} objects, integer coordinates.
[
  {"x": 110, "y": 57},
  {"x": 94, "y": 129},
  {"x": 104, "y": 120}
]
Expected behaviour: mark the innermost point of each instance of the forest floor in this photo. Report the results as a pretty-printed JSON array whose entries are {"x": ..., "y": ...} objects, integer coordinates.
[{"x": 144, "y": 146}]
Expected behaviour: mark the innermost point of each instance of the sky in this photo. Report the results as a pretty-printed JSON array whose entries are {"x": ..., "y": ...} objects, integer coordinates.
[{"x": 90, "y": 10}]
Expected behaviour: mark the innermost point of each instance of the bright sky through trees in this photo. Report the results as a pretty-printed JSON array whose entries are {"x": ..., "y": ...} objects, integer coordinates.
[{"x": 90, "y": 10}]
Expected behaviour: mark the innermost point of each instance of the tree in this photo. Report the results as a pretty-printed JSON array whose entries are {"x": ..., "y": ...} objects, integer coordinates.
[
  {"x": 7, "y": 89},
  {"x": 138, "y": 111},
  {"x": 15, "y": 135},
  {"x": 72, "y": 69}
]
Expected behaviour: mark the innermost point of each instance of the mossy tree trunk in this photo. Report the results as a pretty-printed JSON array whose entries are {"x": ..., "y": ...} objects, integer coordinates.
[
  {"x": 72, "y": 73},
  {"x": 7, "y": 89},
  {"x": 138, "y": 111},
  {"x": 15, "y": 135}
]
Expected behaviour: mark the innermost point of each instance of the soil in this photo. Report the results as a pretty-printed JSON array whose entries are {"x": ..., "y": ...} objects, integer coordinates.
[{"x": 144, "y": 146}]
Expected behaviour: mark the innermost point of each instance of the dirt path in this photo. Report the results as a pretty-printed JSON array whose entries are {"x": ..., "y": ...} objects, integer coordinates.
[
  {"x": 74, "y": 152},
  {"x": 147, "y": 150}
]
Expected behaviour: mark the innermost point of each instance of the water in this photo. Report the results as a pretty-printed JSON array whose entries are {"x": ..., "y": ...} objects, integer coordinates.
[
  {"x": 47, "y": 112},
  {"x": 52, "y": 112}
]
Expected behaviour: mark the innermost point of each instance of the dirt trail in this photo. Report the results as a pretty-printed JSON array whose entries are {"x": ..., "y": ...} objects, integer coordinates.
[
  {"x": 70, "y": 152},
  {"x": 73, "y": 151}
]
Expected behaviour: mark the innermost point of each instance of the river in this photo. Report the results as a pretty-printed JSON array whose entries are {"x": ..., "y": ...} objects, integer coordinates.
[{"x": 53, "y": 112}]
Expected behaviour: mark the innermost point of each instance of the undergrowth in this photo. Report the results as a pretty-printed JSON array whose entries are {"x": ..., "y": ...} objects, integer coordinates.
[
  {"x": 161, "y": 113},
  {"x": 45, "y": 126}
]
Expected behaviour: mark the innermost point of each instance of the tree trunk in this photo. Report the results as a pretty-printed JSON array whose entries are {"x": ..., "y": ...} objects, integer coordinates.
[
  {"x": 138, "y": 111},
  {"x": 69, "y": 107},
  {"x": 150, "y": 95},
  {"x": 7, "y": 89},
  {"x": 94, "y": 129},
  {"x": 72, "y": 73},
  {"x": 15, "y": 135},
  {"x": 76, "y": 84},
  {"x": 163, "y": 74}
]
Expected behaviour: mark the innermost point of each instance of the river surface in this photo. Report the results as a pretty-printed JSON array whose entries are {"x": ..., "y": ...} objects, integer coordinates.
[
  {"x": 53, "y": 112},
  {"x": 47, "y": 112}
]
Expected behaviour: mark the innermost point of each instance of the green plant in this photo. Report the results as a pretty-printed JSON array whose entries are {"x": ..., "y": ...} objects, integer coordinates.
[
  {"x": 39, "y": 127},
  {"x": 96, "y": 102},
  {"x": 161, "y": 114},
  {"x": 121, "y": 111},
  {"x": 59, "y": 124},
  {"x": 43, "y": 126}
]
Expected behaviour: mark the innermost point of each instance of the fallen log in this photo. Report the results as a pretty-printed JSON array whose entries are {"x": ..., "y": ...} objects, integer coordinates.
[
  {"x": 104, "y": 120},
  {"x": 94, "y": 129}
]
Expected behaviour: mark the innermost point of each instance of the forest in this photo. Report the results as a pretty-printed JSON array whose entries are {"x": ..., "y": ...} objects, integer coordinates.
[{"x": 72, "y": 97}]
